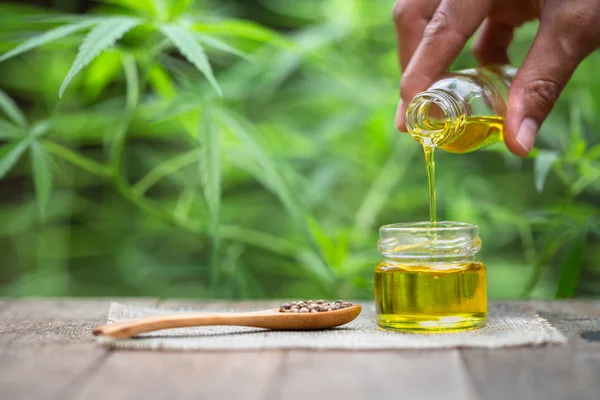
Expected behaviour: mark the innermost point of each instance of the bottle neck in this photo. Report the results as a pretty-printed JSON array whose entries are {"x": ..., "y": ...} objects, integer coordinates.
[{"x": 435, "y": 116}]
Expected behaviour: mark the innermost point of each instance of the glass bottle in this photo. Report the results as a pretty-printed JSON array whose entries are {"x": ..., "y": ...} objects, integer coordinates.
[
  {"x": 463, "y": 111},
  {"x": 430, "y": 280}
]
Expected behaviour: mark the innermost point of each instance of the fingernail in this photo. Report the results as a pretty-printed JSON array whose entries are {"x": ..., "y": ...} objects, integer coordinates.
[
  {"x": 400, "y": 116},
  {"x": 526, "y": 134}
]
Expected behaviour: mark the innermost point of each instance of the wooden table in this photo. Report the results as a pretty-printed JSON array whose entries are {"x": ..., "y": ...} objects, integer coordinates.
[{"x": 47, "y": 352}]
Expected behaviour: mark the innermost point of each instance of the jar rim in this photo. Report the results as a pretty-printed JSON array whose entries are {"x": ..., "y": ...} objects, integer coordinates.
[
  {"x": 422, "y": 240},
  {"x": 440, "y": 226}
]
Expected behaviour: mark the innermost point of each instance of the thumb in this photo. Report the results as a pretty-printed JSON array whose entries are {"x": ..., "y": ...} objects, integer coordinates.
[{"x": 541, "y": 78}]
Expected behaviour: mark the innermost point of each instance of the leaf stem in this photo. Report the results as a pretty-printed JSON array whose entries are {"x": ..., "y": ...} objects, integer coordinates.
[
  {"x": 77, "y": 159},
  {"x": 551, "y": 249},
  {"x": 164, "y": 169}
]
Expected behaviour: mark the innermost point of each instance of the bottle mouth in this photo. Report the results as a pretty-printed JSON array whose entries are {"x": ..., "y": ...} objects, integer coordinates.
[
  {"x": 432, "y": 116},
  {"x": 423, "y": 240}
]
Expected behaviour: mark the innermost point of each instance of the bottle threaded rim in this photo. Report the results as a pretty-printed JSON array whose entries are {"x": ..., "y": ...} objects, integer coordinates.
[{"x": 434, "y": 116}]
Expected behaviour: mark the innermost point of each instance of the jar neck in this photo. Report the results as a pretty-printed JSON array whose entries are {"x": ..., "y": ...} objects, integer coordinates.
[
  {"x": 423, "y": 243},
  {"x": 432, "y": 259},
  {"x": 435, "y": 116}
]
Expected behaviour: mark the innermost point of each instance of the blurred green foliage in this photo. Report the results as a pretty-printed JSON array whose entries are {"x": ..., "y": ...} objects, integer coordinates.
[{"x": 141, "y": 180}]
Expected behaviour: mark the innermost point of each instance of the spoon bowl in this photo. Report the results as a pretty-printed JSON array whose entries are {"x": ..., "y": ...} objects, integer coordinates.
[{"x": 269, "y": 319}]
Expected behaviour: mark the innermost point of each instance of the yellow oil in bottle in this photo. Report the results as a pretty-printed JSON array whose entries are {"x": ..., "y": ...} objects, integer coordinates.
[
  {"x": 432, "y": 298},
  {"x": 478, "y": 132}
]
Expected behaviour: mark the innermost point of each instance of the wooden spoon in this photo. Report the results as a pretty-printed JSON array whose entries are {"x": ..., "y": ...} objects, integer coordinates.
[{"x": 269, "y": 319}]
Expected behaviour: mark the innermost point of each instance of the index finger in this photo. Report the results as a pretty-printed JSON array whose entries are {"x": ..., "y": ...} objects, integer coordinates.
[
  {"x": 411, "y": 18},
  {"x": 452, "y": 24}
]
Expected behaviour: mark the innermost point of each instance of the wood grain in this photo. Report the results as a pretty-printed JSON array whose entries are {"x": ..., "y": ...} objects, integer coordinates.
[
  {"x": 543, "y": 373},
  {"x": 88, "y": 309},
  {"x": 37, "y": 322},
  {"x": 45, "y": 372},
  {"x": 46, "y": 346},
  {"x": 372, "y": 375},
  {"x": 155, "y": 375},
  {"x": 572, "y": 318},
  {"x": 47, "y": 352},
  {"x": 4, "y": 303},
  {"x": 568, "y": 309}
]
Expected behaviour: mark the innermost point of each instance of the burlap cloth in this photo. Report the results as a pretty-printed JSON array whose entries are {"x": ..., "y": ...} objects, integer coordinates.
[{"x": 508, "y": 325}]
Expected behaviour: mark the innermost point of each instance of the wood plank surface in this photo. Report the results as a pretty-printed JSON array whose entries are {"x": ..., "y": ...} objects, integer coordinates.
[
  {"x": 572, "y": 318},
  {"x": 32, "y": 309},
  {"x": 153, "y": 375},
  {"x": 47, "y": 352},
  {"x": 47, "y": 371},
  {"x": 542, "y": 373},
  {"x": 4, "y": 303},
  {"x": 46, "y": 347},
  {"x": 372, "y": 375},
  {"x": 33, "y": 321}
]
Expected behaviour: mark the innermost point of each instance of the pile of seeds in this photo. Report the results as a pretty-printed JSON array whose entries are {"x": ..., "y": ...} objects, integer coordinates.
[{"x": 314, "y": 306}]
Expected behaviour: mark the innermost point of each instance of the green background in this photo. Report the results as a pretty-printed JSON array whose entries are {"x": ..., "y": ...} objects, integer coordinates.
[{"x": 142, "y": 181}]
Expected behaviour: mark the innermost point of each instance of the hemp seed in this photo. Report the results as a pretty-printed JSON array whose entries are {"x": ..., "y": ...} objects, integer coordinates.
[{"x": 306, "y": 306}]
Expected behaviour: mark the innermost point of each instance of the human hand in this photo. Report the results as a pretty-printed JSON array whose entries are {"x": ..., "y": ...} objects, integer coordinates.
[{"x": 431, "y": 34}]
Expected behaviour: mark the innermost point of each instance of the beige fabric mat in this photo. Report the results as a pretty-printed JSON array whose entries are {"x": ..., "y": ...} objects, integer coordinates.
[{"x": 508, "y": 325}]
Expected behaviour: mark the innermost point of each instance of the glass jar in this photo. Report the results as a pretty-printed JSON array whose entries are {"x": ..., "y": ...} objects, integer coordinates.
[
  {"x": 430, "y": 280},
  {"x": 463, "y": 111}
]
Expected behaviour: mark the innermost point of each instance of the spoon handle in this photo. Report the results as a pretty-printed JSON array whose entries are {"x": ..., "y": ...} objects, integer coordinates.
[
  {"x": 134, "y": 327},
  {"x": 268, "y": 319}
]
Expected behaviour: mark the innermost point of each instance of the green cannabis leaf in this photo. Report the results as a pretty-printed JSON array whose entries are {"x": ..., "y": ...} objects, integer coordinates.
[
  {"x": 224, "y": 47},
  {"x": 571, "y": 267},
  {"x": 47, "y": 37},
  {"x": 106, "y": 31},
  {"x": 210, "y": 166},
  {"x": 102, "y": 36},
  {"x": 542, "y": 167},
  {"x": 268, "y": 171},
  {"x": 245, "y": 30},
  {"x": 42, "y": 178},
  {"x": 11, "y": 153},
  {"x": 192, "y": 51},
  {"x": 10, "y": 131},
  {"x": 211, "y": 182},
  {"x": 143, "y": 6},
  {"x": 11, "y": 110},
  {"x": 178, "y": 7},
  {"x": 39, "y": 129}
]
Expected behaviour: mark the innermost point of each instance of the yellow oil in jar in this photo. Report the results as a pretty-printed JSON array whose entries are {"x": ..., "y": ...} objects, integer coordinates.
[{"x": 432, "y": 298}]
